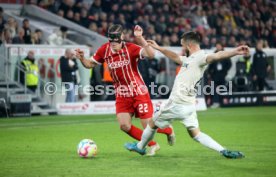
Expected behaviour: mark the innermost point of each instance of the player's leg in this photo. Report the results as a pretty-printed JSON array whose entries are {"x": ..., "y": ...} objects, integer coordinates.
[
  {"x": 153, "y": 148},
  {"x": 166, "y": 131},
  {"x": 124, "y": 120},
  {"x": 192, "y": 126},
  {"x": 159, "y": 120},
  {"x": 170, "y": 134},
  {"x": 148, "y": 134},
  {"x": 146, "y": 138},
  {"x": 209, "y": 142},
  {"x": 125, "y": 110},
  {"x": 204, "y": 139},
  {"x": 144, "y": 110}
]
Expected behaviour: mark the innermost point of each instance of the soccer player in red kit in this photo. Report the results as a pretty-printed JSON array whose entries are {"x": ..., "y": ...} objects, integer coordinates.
[{"x": 132, "y": 97}]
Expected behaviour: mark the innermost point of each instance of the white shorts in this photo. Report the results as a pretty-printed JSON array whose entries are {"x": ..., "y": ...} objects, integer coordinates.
[{"x": 170, "y": 111}]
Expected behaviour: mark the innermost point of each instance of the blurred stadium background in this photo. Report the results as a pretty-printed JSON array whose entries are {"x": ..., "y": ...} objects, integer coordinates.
[{"x": 49, "y": 27}]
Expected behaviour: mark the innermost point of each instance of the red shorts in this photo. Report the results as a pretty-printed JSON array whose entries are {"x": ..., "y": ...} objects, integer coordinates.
[{"x": 140, "y": 106}]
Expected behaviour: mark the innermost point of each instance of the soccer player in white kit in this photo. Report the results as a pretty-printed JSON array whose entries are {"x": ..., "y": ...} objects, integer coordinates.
[{"x": 181, "y": 103}]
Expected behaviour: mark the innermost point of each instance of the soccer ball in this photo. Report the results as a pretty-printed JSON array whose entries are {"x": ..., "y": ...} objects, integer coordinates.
[{"x": 87, "y": 148}]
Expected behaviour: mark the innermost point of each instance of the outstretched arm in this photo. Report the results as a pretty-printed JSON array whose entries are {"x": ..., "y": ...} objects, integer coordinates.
[
  {"x": 170, "y": 54},
  {"x": 148, "y": 51},
  {"x": 241, "y": 50},
  {"x": 86, "y": 63}
]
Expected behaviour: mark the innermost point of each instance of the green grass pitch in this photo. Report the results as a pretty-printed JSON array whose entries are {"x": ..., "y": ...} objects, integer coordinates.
[{"x": 46, "y": 147}]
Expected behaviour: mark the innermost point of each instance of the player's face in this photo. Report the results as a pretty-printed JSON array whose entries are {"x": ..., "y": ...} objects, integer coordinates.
[
  {"x": 115, "y": 41},
  {"x": 116, "y": 46}
]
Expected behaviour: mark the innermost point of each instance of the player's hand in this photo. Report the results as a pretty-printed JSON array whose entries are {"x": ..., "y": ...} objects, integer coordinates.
[
  {"x": 242, "y": 50},
  {"x": 138, "y": 31},
  {"x": 79, "y": 54},
  {"x": 153, "y": 44}
]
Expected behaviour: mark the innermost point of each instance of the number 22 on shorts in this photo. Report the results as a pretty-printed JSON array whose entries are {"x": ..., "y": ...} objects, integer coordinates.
[{"x": 143, "y": 108}]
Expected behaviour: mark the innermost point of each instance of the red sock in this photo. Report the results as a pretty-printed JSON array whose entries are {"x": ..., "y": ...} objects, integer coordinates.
[
  {"x": 166, "y": 131},
  {"x": 136, "y": 133}
]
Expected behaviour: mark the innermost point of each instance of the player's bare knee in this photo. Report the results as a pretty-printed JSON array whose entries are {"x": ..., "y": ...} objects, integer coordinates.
[
  {"x": 125, "y": 127},
  {"x": 151, "y": 124},
  {"x": 193, "y": 132}
]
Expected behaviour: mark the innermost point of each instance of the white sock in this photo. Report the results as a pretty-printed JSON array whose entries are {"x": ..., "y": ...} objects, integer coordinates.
[
  {"x": 147, "y": 136},
  {"x": 207, "y": 141}
]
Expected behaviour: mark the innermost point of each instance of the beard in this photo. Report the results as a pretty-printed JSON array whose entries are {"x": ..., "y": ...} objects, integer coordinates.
[{"x": 187, "y": 52}]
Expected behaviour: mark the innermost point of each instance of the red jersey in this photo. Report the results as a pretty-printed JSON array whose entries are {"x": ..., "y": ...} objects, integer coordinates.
[{"x": 123, "y": 67}]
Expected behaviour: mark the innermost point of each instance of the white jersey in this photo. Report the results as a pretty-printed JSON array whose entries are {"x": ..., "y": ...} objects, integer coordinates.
[{"x": 185, "y": 85}]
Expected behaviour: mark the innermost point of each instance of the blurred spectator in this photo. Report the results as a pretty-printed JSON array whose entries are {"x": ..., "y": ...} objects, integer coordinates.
[
  {"x": 42, "y": 68},
  {"x": 70, "y": 15},
  {"x": 166, "y": 41},
  {"x": 260, "y": 67},
  {"x": 84, "y": 18},
  {"x": 6, "y": 38},
  {"x": 93, "y": 27},
  {"x": 19, "y": 39},
  {"x": 77, "y": 6},
  {"x": 143, "y": 66},
  {"x": 230, "y": 24},
  {"x": 243, "y": 78},
  {"x": 29, "y": 73},
  {"x": 28, "y": 32},
  {"x": 217, "y": 72},
  {"x": 42, "y": 74},
  {"x": 51, "y": 75},
  {"x": 34, "y": 38},
  {"x": 205, "y": 43},
  {"x": 60, "y": 13},
  {"x": 95, "y": 8},
  {"x": 174, "y": 40},
  {"x": 246, "y": 68},
  {"x": 58, "y": 37},
  {"x": 68, "y": 68},
  {"x": 232, "y": 42},
  {"x": 76, "y": 18},
  {"x": 96, "y": 77},
  {"x": 200, "y": 19},
  {"x": 66, "y": 5},
  {"x": 38, "y": 36},
  {"x": 154, "y": 69},
  {"x": 2, "y": 20},
  {"x": 149, "y": 70},
  {"x": 50, "y": 5},
  {"x": 11, "y": 25}
]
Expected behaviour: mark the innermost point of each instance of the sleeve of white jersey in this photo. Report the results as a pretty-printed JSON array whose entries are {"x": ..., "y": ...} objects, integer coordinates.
[
  {"x": 182, "y": 58},
  {"x": 203, "y": 60}
]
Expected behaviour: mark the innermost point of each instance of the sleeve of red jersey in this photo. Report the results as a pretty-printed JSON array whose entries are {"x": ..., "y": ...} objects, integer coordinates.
[
  {"x": 136, "y": 51},
  {"x": 98, "y": 57}
]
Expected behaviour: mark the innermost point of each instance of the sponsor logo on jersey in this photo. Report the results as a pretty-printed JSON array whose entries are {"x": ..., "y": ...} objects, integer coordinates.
[{"x": 118, "y": 64}]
